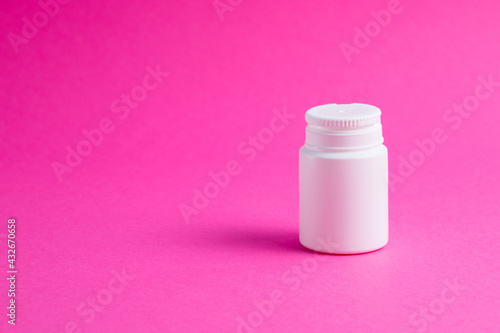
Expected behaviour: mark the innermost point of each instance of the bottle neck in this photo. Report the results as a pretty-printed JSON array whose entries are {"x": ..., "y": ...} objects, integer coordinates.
[{"x": 343, "y": 140}]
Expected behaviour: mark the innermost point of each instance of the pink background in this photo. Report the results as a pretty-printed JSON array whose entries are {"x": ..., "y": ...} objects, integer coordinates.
[{"x": 119, "y": 209}]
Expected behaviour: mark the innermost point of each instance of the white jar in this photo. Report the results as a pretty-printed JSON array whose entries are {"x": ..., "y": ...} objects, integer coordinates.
[{"x": 343, "y": 180}]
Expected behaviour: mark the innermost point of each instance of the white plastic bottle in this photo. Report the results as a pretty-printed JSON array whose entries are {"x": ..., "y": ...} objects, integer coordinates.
[{"x": 343, "y": 180}]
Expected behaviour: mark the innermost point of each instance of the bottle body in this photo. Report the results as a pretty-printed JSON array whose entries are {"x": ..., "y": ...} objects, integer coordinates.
[
  {"x": 343, "y": 180},
  {"x": 344, "y": 200}
]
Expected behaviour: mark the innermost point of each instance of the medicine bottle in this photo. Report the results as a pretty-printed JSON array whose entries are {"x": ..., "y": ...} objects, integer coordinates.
[{"x": 343, "y": 180}]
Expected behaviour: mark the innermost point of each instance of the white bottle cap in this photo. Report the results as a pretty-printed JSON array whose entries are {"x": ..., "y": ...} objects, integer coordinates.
[
  {"x": 344, "y": 126},
  {"x": 353, "y": 115}
]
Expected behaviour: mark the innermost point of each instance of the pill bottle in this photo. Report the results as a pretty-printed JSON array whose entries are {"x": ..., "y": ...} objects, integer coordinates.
[{"x": 343, "y": 180}]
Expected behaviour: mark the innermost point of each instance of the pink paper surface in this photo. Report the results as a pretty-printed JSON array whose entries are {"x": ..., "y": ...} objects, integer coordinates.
[{"x": 104, "y": 247}]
